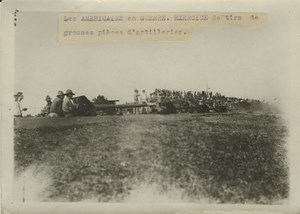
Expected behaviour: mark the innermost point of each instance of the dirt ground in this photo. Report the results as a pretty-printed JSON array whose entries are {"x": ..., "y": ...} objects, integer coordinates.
[{"x": 219, "y": 158}]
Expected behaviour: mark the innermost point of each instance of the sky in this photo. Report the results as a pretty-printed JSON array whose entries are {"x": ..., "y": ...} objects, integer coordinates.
[{"x": 247, "y": 62}]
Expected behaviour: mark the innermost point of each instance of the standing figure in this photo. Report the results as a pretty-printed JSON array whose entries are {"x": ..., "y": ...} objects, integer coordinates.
[
  {"x": 136, "y": 97},
  {"x": 69, "y": 107},
  {"x": 145, "y": 100},
  {"x": 144, "y": 97},
  {"x": 56, "y": 105},
  {"x": 160, "y": 102},
  {"x": 18, "y": 107}
]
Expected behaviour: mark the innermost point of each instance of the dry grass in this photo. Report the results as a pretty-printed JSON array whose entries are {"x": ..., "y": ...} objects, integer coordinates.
[{"x": 235, "y": 158}]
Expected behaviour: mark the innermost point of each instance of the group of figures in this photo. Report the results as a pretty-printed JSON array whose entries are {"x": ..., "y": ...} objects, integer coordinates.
[
  {"x": 189, "y": 99},
  {"x": 140, "y": 98},
  {"x": 62, "y": 106},
  {"x": 154, "y": 104},
  {"x": 171, "y": 101},
  {"x": 160, "y": 101},
  {"x": 167, "y": 101}
]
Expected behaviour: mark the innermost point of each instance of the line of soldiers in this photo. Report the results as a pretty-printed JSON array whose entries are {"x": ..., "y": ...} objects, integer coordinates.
[
  {"x": 62, "y": 105},
  {"x": 190, "y": 99}
]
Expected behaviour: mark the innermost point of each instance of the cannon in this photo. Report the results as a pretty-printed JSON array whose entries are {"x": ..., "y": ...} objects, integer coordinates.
[{"x": 85, "y": 106}]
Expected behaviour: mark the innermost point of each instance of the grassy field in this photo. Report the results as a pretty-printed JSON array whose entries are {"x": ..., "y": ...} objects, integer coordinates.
[{"x": 229, "y": 158}]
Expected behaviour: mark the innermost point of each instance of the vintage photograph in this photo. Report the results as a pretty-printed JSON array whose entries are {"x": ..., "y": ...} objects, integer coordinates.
[{"x": 195, "y": 121}]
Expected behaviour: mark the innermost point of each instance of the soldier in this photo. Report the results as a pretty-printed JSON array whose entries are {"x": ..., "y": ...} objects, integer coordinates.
[
  {"x": 136, "y": 96},
  {"x": 145, "y": 100},
  {"x": 144, "y": 97},
  {"x": 69, "y": 107},
  {"x": 56, "y": 105},
  {"x": 160, "y": 102},
  {"x": 18, "y": 108},
  {"x": 46, "y": 110}
]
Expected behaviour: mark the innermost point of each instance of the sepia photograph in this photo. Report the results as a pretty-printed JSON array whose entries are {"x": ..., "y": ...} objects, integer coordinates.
[{"x": 166, "y": 108}]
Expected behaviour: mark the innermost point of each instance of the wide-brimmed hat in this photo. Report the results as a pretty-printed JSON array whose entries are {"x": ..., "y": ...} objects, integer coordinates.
[
  {"x": 18, "y": 94},
  {"x": 60, "y": 93},
  {"x": 69, "y": 91},
  {"x": 48, "y": 97}
]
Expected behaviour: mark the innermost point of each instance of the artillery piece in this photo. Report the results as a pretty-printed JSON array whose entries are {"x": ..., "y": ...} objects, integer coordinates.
[{"x": 87, "y": 108}]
